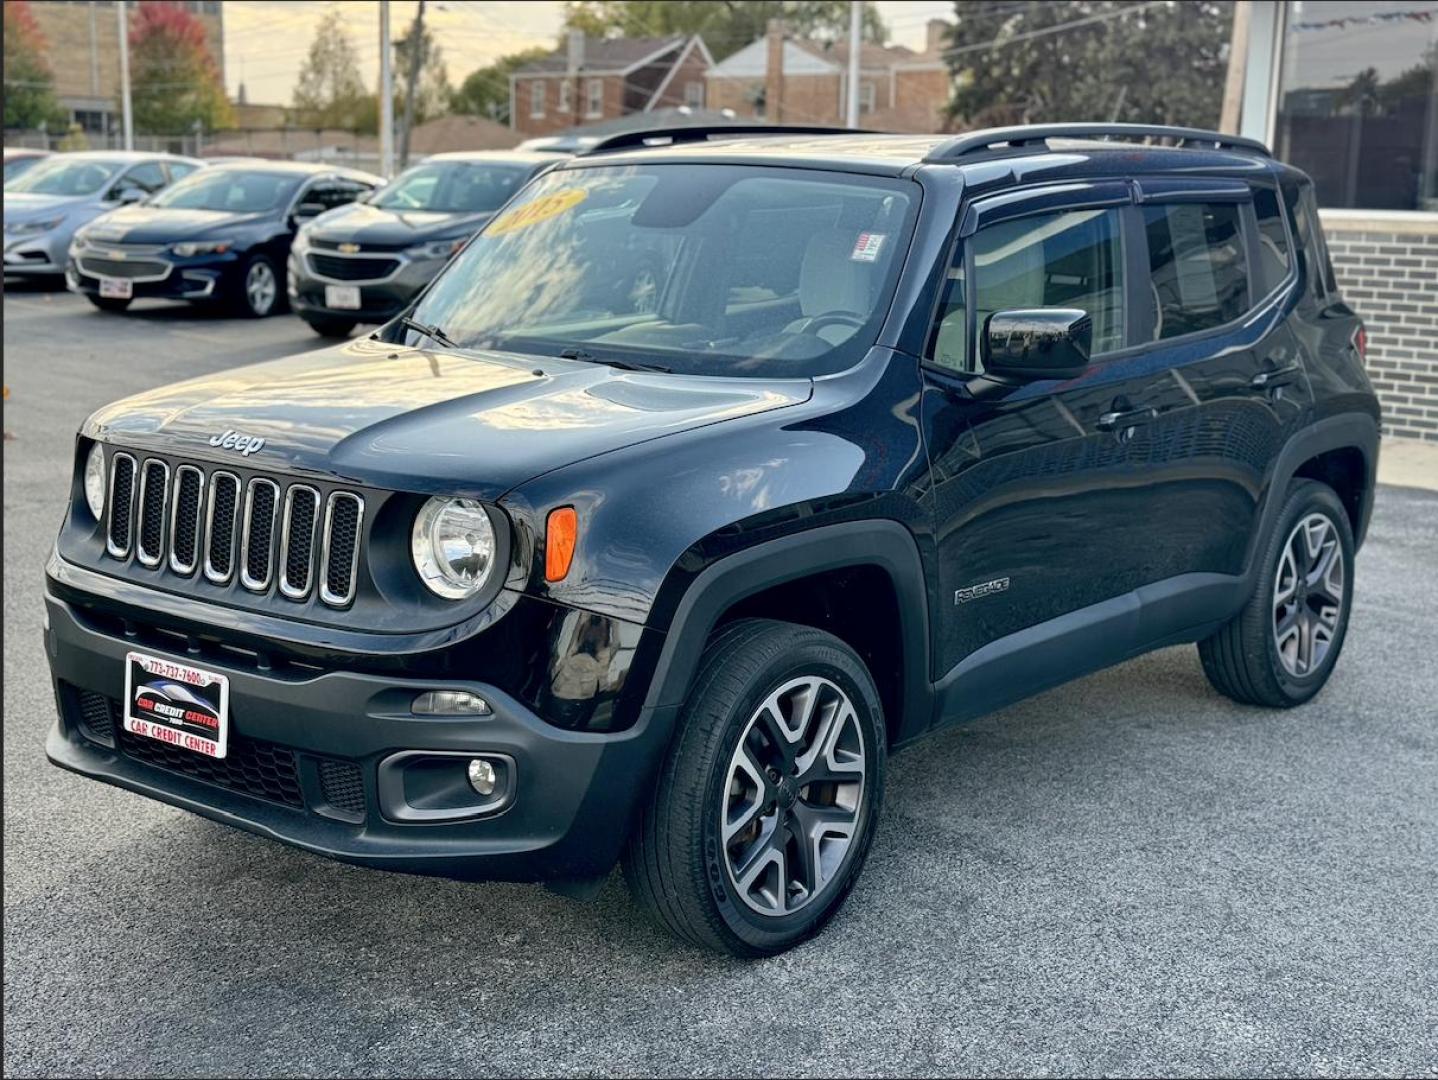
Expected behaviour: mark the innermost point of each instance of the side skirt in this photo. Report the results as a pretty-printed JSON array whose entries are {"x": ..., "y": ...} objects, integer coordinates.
[{"x": 1170, "y": 612}]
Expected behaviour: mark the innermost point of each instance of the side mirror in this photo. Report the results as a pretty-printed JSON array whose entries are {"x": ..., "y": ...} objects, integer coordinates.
[
  {"x": 130, "y": 195},
  {"x": 307, "y": 210},
  {"x": 1037, "y": 343}
]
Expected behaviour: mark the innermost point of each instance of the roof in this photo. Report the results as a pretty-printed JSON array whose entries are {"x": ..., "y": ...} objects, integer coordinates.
[
  {"x": 896, "y": 154},
  {"x": 302, "y": 168},
  {"x": 123, "y": 155},
  {"x": 499, "y": 157},
  {"x": 806, "y": 58},
  {"x": 445, "y": 133},
  {"x": 610, "y": 55}
]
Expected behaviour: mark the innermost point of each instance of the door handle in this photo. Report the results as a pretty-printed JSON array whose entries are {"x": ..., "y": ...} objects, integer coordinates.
[
  {"x": 1126, "y": 418},
  {"x": 1281, "y": 376}
]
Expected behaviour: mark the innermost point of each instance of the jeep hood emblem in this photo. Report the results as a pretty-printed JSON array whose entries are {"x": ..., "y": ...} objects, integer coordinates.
[{"x": 233, "y": 440}]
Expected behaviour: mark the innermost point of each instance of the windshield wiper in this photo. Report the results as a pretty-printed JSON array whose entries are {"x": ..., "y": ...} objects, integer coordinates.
[
  {"x": 433, "y": 332},
  {"x": 614, "y": 362}
]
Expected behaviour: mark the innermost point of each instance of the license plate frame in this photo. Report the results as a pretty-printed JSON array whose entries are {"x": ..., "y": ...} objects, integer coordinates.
[
  {"x": 112, "y": 288},
  {"x": 342, "y": 297},
  {"x": 177, "y": 703}
]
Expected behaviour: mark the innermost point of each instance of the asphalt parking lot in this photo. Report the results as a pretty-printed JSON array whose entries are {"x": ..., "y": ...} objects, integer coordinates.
[{"x": 1129, "y": 875}]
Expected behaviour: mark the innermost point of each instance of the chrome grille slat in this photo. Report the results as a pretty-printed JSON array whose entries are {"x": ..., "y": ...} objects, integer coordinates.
[
  {"x": 297, "y": 540},
  {"x": 344, "y": 521},
  {"x": 185, "y": 502},
  {"x": 259, "y": 533},
  {"x": 257, "y": 549},
  {"x": 221, "y": 518},
  {"x": 154, "y": 497},
  {"x": 120, "y": 527}
]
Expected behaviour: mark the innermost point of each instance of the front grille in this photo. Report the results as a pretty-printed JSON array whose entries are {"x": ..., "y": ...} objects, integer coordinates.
[
  {"x": 342, "y": 785},
  {"x": 268, "y": 534},
  {"x": 122, "y": 497},
  {"x": 134, "y": 269},
  {"x": 342, "y": 268},
  {"x": 154, "y": 497},
  {"x": 185, "y": 519}
]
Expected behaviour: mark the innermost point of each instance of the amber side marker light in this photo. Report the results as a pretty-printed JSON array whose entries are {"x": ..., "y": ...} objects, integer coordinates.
[{"x": 560, "y": 536}]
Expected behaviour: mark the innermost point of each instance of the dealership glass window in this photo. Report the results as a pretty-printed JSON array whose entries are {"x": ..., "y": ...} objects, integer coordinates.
[
  {"x": 1200, "y": 273},
  {"x": 1358, "y": 101}
]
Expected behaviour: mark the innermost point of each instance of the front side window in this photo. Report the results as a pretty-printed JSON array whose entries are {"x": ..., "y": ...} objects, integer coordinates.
[
  {"x": 1198, "y": 266},
  {"x": 235, "y": 191},
  {"x": 63, "y": 175},
  {"x": 1273, "y": 252},
  {"x": 702, "y": 269},
  {"x": 452, "y": 187},
  {"x": 148, "y": 177},
  {"x": 1070, "y": 259}
]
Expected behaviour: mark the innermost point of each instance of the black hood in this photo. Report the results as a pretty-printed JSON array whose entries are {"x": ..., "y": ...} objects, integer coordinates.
[
  {"x": 475, "y": 424},
  {"x": 165, "y": 225},
  {"x": 360, "y": 223}
]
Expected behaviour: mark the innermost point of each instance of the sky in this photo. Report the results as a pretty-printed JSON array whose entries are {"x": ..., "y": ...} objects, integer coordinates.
[{"x": 266, "y": 40}]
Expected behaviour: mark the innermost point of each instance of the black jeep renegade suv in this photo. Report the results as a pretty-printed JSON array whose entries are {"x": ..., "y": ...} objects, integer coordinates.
[{"x": 539, "y": 578}]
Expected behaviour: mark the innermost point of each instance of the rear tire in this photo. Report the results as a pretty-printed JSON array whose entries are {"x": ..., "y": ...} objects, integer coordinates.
[
  {"x": 767, "y": 802},
  {"x": 330, "y": 328},
  {"x": 107, "y": 303},
  {"x": 1280, "y": 649}
]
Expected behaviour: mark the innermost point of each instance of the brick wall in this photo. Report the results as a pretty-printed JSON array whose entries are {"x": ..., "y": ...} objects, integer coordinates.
[{"x": 1387, "y": 267}]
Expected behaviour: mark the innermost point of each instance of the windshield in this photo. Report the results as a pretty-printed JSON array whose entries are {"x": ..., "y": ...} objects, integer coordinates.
[
  {"x": 235, "y": 191},
  {"x": 453, "y": 187},
  {"x": 705, "y": 269},
  {"x": 67, "y": 177}
]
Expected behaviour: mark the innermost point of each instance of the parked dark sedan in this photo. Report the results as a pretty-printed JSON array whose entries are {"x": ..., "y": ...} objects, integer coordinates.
[
  {"x": 220, "y": 236},
  {"x": 366, "y": 262}
]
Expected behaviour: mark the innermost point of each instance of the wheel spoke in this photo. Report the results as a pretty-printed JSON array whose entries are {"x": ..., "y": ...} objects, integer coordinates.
[
  {"x": 746, "y": 775},
  {"x": 1308, "y": 595}
]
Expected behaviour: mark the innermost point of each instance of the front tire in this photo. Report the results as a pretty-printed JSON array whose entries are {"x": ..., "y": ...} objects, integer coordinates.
[
  {"x": 261, "y": 287},
  {"x": 330, "y": 328},
  {"x": 108, "y": 303},
  {"x": 768, "y": 800},
  {"x": 1280, "y": 649}
]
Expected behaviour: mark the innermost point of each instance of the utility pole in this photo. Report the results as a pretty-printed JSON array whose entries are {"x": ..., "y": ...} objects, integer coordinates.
[
  {"x": 125, "y": 112},
  {"x": 856, "y": 34},
  {"x": 386, "y": 95},
  {"x": 1231, "y": 115},
  {"x": 416, "y": 46}
]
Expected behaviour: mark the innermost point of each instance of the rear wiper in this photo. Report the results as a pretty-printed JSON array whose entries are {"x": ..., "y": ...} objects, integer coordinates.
[
  {"x": 623, "y": 365},
  {"x": 433, "y": 332}
]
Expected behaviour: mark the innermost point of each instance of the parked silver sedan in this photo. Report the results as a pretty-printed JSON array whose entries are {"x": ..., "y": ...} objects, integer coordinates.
[{"x": 45, "y": 206}]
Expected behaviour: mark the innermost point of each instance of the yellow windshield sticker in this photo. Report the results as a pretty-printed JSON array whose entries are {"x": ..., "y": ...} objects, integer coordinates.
[{"x": 540, "y": 209}]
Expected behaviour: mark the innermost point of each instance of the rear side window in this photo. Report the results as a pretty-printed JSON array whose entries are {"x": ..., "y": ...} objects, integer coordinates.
[
  {"x": 1070, "y": 259},
  {"x": 1199, "y": 271},
  {"x": 1274, "y": 256}
]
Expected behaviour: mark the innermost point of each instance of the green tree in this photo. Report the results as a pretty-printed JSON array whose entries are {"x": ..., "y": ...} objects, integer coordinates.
[
  {"x": 29, "y": 82},
  {"x": 485, "y": 91},
  {"x": 174, "y": 80},
  {"x": 433, "y": 93},
  {"x": 1088, "y": 60},
  {"x": 726, "y": 27},
  {"x": 330, "y": 92}
]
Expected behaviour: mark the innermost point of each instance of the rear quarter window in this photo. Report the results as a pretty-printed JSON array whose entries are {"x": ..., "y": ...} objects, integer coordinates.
[
  {"x": 1198, "y": 266},
  {"x": 1274, "y": 255}
]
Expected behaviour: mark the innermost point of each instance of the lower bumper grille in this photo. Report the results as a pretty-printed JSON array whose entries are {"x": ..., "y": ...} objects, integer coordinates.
[{"x": 134, "y": 269}]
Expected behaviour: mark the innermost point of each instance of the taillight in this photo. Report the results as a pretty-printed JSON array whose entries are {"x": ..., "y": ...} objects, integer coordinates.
[{"x": 1360, "y": 342}]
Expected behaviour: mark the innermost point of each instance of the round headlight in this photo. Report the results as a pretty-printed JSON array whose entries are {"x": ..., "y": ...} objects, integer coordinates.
[
  {"x": 453, "y": 545},
  {"x": 95, "y": 481}
]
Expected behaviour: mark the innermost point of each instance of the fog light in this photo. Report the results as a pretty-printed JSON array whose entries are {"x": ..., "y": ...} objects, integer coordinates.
[
  {"x": 449, "y": 703},
  {"x": 481, "y": 776}
]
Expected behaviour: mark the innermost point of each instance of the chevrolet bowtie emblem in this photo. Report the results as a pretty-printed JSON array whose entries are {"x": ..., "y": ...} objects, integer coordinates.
[{"x": 349, "y": 249}]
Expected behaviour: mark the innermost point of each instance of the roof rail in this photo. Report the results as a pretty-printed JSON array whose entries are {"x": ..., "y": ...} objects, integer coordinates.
[
  {"x": 976, "y": 142},
  {"x": 673, "y": 136}
]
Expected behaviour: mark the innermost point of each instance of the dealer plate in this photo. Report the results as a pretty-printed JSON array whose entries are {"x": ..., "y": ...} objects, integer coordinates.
[
  {"x": 116, "y": 288},
  {"x": 177, "y": 704}
]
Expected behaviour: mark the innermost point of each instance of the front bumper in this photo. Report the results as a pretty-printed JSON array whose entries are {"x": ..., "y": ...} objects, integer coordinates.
[
  {"x": 200, "y": 278},
  {"x": 380, "y": 300},
  {"x": 35, "y": 254},
  {"x": 573, "y": 798}
]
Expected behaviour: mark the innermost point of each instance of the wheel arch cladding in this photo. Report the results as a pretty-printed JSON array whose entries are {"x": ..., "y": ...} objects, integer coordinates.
[
  {"x": 860, "y": 580},
  {"x": 1315, "y": 453}
]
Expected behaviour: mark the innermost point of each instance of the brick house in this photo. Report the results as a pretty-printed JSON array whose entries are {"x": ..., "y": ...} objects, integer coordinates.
[
  {"x": 601, "y": 79},
  {"x": 786, "y": 80}
]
